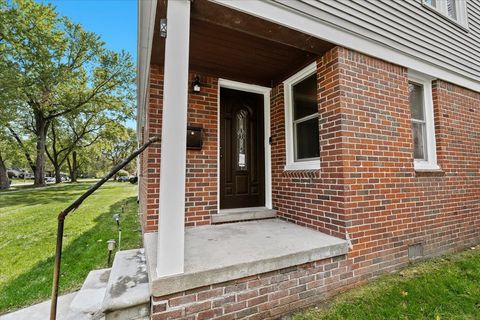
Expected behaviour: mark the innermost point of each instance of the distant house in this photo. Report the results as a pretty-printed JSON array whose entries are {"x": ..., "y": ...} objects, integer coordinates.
[{"x": 307, "y": 146}]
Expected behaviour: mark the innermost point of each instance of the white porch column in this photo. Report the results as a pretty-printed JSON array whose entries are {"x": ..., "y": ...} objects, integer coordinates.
[{"x": 171, "y": 228}]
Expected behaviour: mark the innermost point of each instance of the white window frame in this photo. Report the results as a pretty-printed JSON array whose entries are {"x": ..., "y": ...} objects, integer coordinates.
[
  {"x": 461, "y": 11},
  {"x": 431, "y": 148},
  {"x": 292, "y": 164}
]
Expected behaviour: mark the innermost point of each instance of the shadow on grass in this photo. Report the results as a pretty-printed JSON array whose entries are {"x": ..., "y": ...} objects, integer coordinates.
[
  {"x": 87, "y": 252},
  {"x": 45, "y": 195}
]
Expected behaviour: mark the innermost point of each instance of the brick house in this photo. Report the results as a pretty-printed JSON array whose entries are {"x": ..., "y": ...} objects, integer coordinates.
[{"x": 307, "y": 147}]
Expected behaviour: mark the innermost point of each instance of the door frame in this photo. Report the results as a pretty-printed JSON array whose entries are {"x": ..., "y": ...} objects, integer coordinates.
[{"x": 265, "y": 91}]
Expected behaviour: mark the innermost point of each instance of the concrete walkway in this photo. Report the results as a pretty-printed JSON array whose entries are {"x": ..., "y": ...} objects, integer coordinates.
[{"x": 41, "y": 311}]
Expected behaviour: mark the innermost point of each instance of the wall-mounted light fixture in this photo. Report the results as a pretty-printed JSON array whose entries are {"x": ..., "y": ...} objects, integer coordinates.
[
  {"x": 163, "y": 28},
  {"x": 196, "y": 86}
]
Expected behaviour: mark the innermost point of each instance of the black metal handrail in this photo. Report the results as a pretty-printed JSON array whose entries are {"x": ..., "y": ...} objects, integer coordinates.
[{"x": 74, "y": 206}]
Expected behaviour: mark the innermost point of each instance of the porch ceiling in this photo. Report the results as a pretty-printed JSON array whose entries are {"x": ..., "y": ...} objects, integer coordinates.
[{"x": 234, "y": 45}]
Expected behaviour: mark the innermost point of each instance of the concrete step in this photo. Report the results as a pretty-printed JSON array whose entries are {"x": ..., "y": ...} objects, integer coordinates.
[
  {"x": 243, "y": 214},
  {"x": 88, "y": 301},
  {"x": 127, "y": 294}
]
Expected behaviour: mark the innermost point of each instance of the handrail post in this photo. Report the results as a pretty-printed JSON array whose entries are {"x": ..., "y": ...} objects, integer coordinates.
[
  {"x": 73, "y": 206},
  {"x": 56, "y": 267}
]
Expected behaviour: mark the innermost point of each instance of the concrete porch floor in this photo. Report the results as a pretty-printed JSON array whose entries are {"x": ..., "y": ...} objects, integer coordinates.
[{"x": 219, "y": 253}]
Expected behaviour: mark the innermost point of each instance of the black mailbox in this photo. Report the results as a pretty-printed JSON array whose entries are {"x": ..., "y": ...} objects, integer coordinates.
[{"x": 194, "y": 138}]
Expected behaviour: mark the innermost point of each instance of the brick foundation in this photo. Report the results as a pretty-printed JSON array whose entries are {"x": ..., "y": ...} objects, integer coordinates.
[{"x": 264, "y": 296}]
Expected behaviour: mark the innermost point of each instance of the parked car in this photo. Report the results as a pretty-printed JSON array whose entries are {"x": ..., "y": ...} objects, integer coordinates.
[
  {"x": 123, "y": 179},
  {"x": 49, "y": 180}
]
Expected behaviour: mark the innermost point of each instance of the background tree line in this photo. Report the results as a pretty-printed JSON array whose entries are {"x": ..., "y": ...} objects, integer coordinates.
[{"x": 64, "y": 97}]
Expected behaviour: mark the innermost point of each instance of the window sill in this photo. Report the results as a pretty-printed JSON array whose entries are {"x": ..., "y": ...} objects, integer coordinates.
[
  {"x": 429, "y": 170},
  {"x": 307, "y": 165},
  {"x": 423, "y": 166}
]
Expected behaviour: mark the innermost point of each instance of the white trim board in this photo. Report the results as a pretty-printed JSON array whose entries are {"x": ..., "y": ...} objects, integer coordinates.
[
  {"x": 320, "y": 29},
  {"x": 288, "y": 84},
  {"x": 146, "y": 23},
  {"x": 431, "y": 149},
  {"x": 224, "y": 83}
]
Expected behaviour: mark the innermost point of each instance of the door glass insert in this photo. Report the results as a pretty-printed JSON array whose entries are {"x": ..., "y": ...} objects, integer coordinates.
[{"x": 242, "y": 123}]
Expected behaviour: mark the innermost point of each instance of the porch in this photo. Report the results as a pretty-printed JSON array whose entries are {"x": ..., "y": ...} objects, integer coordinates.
[
  {"x": 238, "y": 59},
  {"x": 221, "y": 74},
  {"x": 220, "y": 253}
]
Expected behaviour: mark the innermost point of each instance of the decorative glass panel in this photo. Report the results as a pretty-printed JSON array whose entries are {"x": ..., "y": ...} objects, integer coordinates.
[
  {"x": 242, "y": 130},
  {"x": 305, "y": 97},
  {"x": 419, "y": 142},
  {"x": 307, "y": 139},
  {"x": 416, "y": 100}
]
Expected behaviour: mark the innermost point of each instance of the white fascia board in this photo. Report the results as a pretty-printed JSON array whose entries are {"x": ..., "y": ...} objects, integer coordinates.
[
  {"x": 323, "y": 30},
  {"x": 146, "y": 22}
]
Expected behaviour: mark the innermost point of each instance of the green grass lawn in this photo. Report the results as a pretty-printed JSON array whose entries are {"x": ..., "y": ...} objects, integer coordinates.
[
  {"x": 28, "y": 230},
  {"x": 442, "y": 288}
]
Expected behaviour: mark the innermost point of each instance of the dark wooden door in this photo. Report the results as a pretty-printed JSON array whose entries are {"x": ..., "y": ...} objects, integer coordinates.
[{"x": 242, "y": 163}]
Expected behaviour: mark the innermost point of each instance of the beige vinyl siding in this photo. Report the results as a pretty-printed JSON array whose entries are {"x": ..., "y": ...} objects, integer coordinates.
[{"x": 406, "y": 25}]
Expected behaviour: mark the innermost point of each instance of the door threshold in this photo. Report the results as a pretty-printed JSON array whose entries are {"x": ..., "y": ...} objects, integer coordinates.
[{"x": 243, "y": 214}]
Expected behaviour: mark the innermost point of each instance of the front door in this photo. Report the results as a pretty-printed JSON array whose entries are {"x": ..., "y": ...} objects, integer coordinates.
[{"x": 242, "y": 163}]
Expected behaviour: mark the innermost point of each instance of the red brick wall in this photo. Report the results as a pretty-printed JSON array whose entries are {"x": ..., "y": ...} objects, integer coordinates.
[
  {"x": 263, "y": 296},
  {"x": 367, "y": 186},
  {"x": 149, "y": 182},
  {"x": 313, "y": 198},
  {"x": 201, "y": 179},
  {"x": 201, "y": 173},
  {"x": 388, "y": 205}
]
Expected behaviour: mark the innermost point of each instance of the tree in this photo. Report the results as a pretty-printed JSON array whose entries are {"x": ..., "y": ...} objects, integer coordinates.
[
  {"x": 118, "y": 145},
  {"x": 8, "y": 92},
  {"x": 4, "y": 181},
  {"x": 77, "y": 131},
  {"x": 58, "y": 68}
]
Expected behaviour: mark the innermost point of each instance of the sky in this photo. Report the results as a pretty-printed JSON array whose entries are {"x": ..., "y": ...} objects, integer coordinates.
[{"x": 114, "y": 20}]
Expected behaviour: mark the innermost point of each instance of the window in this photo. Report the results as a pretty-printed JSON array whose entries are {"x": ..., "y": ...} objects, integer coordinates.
[
  {"x": 423, "y": 127},
  {"x": 455, "y": 10},
  {"x": 301, "y": 120}
]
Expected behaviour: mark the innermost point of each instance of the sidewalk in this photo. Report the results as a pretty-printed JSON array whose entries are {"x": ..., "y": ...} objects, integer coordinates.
[{"x": 41, "y": 311}]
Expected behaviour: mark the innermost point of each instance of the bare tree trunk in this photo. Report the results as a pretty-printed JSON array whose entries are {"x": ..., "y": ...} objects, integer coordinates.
[
  {"x": 70, "y": 169},
  {"x": 74, "y": 167},
  {"x": 58, "y": 174},
  {"x": 4, "y": 181},
  {"x": 41, "y": 131}
]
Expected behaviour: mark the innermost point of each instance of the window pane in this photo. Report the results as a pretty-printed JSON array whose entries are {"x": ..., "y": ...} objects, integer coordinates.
[
  {"x": 415, "y": 92},
  {"x": 305, "y": 97},
  {"x": 419, "y": 142},
  {"x": 452, "y": 9},
  {"x": 307, "y": 139},
  {"x": 433, "y": 3}
]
